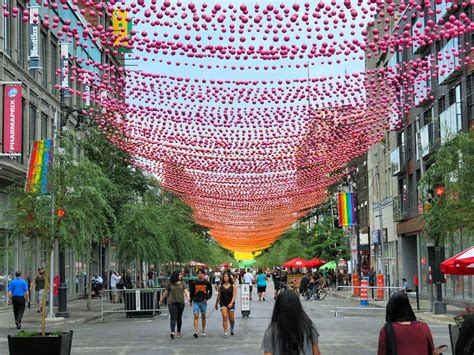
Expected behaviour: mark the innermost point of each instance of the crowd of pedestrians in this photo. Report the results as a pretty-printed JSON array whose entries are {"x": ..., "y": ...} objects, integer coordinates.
[{"x": 291, "y": 331}]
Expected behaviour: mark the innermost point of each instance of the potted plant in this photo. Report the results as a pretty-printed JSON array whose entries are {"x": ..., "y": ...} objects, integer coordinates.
[
  {"x": 454, "y": 328},
  {"x": 57, "y": 342},
  {"x": 67, "y": 205}
]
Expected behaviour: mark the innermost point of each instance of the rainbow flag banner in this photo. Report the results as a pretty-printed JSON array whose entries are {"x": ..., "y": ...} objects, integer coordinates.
[
  {"x": 40, "y": 160},
  {"x": 346, "y": 202}
]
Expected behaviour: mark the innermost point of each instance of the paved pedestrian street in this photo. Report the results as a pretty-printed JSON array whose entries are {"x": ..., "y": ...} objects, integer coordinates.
[{"x": 349, "y": 333}]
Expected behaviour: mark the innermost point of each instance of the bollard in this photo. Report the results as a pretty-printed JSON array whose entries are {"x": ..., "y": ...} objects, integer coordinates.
[
  {"x": 380, "y": 283},
  {"x": 356, "y": 283},
  {"x": 416, "y": 283},
  {"x": 364, "y": 294}
]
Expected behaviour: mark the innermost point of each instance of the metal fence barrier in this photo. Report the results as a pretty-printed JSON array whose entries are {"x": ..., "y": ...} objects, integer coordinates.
[
  {"x": 142, "y": 302},
  {"x": 362, "y": 298}
]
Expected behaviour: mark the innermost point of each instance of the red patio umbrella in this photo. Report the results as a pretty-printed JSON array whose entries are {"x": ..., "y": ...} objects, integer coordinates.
[
  {"x": 460, "y": 264},
  {"x": 296, "y": 262},
  {"x": 315, "y": 262}
]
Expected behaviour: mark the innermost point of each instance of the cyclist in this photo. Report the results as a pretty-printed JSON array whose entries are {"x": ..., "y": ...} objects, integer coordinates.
[
  {"x": 305, "y": 281},
  {"x": 316, "y": 282}
]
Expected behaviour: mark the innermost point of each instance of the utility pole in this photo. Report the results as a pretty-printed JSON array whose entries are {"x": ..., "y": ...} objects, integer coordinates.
[
  {"x": 380, "y": 216},
  {"x": 437, "y": 305}
]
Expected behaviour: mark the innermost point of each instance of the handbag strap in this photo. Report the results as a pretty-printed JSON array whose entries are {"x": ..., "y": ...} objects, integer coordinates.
[{"x": 391, "y": 341}]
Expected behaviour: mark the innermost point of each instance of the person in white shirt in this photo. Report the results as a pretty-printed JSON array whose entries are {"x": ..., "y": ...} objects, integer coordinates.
[
  {"x": 114, "y": 279},
  {"x": 249, "y": 279},
  {"x": 217, "y": 278}
]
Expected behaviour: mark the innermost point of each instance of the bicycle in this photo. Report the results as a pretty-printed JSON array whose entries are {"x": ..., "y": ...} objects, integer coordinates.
[{"x": 314, "y": 291}]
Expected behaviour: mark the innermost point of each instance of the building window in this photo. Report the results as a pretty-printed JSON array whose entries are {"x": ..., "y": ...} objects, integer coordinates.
[
  {"x": 54, "y": 67},
  {"x": 44, "y": 126},
  {"x": 32, "y": 125},
  {"x": 21, "y": 38},
  {"x": 417, "y": 31},
  {"x": 44, "y": 59},
  {"x": 411, "y": 190},
  {"x": 7, "y": 30},
  {"x": 448, "y": 62},
  {"x": 470, "y": 96},
  {"x": 450, "y": 119},
  {"x": 443, "y": 9},
  {"x": 403, "y": 190},
  {"x": 409, "y": 141},
  {"x": 401, "y": 146}
]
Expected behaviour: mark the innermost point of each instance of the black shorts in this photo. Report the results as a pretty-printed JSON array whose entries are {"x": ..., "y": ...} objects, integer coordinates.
[{"x": 261, "y": 289}]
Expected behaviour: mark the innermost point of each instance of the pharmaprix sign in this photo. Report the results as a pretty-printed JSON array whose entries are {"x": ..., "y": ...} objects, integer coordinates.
[{"x": 12, "y": 119}]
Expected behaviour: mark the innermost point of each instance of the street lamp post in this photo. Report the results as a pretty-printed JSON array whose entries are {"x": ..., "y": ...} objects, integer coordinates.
[
  {"x": 65, "y": 112},
  {"x": 62, "y": 296}
]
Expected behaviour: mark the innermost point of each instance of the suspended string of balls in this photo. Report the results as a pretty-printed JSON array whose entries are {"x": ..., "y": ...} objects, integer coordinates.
[{"x": 251, "y": 152}]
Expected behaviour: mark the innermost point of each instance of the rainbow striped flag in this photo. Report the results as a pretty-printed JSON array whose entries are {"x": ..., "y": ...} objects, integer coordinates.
[
  {"x": 346, "y": 202},
  {"x": 40, "y": 159}
]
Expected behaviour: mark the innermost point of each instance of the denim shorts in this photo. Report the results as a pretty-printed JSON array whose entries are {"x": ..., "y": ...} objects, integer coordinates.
[{"x": 199, "y": 307}]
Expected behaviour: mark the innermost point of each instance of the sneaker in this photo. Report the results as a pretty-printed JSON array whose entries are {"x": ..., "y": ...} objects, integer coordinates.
[
  {"x": 172, "y": 335},
  {"x": 203, "y": 334},
  {"x": 232, "y": 332},
  {"x": 195, "y": 334},
  {"x": 264, "y": 299},
  {"x": 178, "y": 335},
  {"x": 226, "y": 335}
]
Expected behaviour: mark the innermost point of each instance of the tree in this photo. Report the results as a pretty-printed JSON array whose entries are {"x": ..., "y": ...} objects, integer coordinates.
[
  {"x": 451, "y": 167},
  {"x": 76, "y": 212},
  {"x": 328, "y": 242}
]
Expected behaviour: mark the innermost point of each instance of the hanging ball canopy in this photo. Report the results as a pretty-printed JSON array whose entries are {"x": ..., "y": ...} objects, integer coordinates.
[{"x": 248, "y": 111}]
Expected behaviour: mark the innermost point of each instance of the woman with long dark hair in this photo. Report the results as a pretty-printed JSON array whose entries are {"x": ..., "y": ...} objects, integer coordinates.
[
  {"x": 226, "y": 294},
  {"x": 291, "y": 331},
  {"x": 402, "y": 333},
  {"x": 176, "y": 290},
  {"x": 465, "y": 344}
]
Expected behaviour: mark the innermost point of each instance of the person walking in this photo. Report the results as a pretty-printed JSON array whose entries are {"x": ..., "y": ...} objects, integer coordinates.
[
  {"x": 18, "y": 295},
  {"x": 114, "y": 285},
  {"x": 217, "y": 278},
  {"x": 200, "y": 293},
  {"x": 291, "y": 331},
  {"x": 249, "y": 279},
  {"x": 151, "y": 276},
  {"x": 226, "y": 295},
  {"x": 175, "y": 291},
  {"x": 402, "y": 333},
  {"x": 38, "y": 283},
  {"x": 261, "y": 285}
]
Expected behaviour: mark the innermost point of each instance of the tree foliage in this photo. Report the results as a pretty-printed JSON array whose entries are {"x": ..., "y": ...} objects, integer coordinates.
[
  {"x": 80, "y": 189},
  {"x": 160, "y": 229},
  {"x": 322, "y": 241},
  {"x": 452, "y": 167}
]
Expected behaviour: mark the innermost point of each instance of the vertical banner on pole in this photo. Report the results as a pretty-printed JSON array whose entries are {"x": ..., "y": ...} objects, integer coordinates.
[
  {"x": 12, "y": 120},
  {"x": 33, "y": 58},
  {"x": 86, "y": 96},
  {"x": 65, "y": 69}
]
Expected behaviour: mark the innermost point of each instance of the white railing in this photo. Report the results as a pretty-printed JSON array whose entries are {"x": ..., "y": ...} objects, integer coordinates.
[
  {"x": 362, "y": 298},
  {"x": 140, "y": 302}
]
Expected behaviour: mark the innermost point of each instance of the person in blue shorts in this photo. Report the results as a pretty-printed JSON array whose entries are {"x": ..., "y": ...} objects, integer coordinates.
[{"x": 200, "y": 293}]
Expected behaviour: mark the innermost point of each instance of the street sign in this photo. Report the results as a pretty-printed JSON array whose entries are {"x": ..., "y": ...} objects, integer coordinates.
[{"x": 245, "y": 300}]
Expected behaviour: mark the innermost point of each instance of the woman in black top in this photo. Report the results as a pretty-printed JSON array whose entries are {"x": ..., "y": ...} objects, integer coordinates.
[{"x": 226, "y": 300}]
